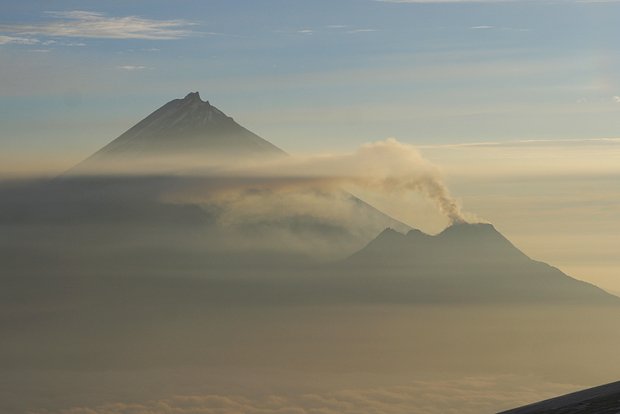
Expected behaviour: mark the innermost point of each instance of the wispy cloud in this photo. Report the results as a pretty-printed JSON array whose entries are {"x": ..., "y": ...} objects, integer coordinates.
[
  {"x": 5, "y": 40},
  {"x": 132, "y": 67},
  {"x": 361, "y": 31},
  {"x": 333, "y": 28},
  {"x": 58, "y": 43},
  {"x": 87, "y": 24},
  {"x": 530, "y": 142}
]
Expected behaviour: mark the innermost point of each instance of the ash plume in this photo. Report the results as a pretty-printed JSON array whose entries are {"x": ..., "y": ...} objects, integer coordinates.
[{"x": 385, "y": 167}]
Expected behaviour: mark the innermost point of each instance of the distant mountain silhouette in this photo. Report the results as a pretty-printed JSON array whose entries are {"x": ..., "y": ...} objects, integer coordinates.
[
  {"x": 465, "y": 262},
  {"x": 459, "y": 243},
  {"x": 186, "y": 127}
]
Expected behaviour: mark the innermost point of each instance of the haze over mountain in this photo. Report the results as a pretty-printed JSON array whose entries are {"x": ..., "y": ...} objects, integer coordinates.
[
  {"x": 138, "y": 270},
  {"x": 156, "y": 178},
  {"x": 464, "y": 263}
]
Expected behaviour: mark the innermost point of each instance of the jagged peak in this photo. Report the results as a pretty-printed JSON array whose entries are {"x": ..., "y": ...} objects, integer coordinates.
[
  {"x": 193, "y": 100},
  {"x": 193, "y": 96}
]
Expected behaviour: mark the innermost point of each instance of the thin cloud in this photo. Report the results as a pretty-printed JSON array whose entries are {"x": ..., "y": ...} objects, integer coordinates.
[
  {"x": 132, "y": 67},
  {"x": 334, "y": 28},
  {"x": 57, "y": 43},
  {"x": 5, "y": 40},
  {"x": 482, "y": 27},
  {"x": 361, "y": 31},
  {"x": 529, "y": 142},
  {"x": 86, "y": 24}
]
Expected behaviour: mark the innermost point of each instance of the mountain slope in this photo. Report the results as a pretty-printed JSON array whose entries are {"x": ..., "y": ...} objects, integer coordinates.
[
  {"x": 461, "y": 243},
  {"x": 604, "y": 399},
  {"x": 187, "y": 127},
  {"x": 465, "y": 262}
]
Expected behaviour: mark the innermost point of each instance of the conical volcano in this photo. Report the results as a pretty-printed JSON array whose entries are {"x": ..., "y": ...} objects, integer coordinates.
[{"x": 186, "y": 127}]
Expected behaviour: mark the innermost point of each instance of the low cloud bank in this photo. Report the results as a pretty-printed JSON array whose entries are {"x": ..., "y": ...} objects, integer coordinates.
[{"x": 473, "y": 395}]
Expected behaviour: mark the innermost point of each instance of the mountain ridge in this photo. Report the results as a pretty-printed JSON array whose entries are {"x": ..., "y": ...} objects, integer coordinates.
[
  {"x": 465, "y": 262},
  {"x": 457, "y": 236}
]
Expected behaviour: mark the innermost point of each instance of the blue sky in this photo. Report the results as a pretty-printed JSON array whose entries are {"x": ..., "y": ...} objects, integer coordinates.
[{"x": 311, "y": 75}]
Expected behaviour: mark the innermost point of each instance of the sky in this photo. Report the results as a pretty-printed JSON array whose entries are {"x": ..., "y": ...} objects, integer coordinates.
[
  {"x": 517, "y": 101},
  {"x": 303, "y": 72}
]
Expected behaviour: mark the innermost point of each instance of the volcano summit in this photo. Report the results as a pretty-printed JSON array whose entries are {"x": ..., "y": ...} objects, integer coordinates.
[{"x": 186, "y": 127}]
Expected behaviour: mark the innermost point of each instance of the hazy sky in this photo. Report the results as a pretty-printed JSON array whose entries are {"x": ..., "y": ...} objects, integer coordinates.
[
  {"x": 329, "y": 75},
  {"x": 302, "y": 73}
]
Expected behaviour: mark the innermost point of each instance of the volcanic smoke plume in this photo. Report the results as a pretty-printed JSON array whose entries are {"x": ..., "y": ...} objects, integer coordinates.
[{"x": 384, "y": 167}]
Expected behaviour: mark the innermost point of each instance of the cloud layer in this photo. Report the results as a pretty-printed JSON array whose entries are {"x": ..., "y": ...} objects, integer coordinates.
[
  {"x": 385, "y": 168},
  {"x": 466, "y": 396}
]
